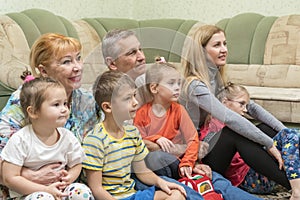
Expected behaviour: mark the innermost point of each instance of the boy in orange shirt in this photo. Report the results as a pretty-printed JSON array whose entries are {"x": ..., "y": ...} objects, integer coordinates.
[{"x": 163, "y": 123}]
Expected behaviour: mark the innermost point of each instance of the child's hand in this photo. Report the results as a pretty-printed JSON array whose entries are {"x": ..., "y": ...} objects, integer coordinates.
[
  {"x": 56, "y": 190},
  {"x": 165, "y": 144},
  {"x": 65, "y": 177},
  {"x": 168, "y": 186},
  {"x": 277, "y": 155},
  {"x": 186, "y": 171}
]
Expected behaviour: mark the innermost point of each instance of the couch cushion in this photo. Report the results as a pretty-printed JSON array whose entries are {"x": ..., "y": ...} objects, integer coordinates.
[
  {"x": 274, "y": 93},
  {"x": 284, "y": 103},
  {"x": 280, "y": 76},
  {"x": 274, "y": 87},
  {"x": 14, "y": 52}
]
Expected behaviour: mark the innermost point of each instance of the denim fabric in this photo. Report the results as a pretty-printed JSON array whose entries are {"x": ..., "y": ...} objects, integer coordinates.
[
  {"x": 191, "y": 194},
  {"x": 220, "y": 184},
  {"x": 229, "y": 191},
  {"x": 143, "y": 194}
]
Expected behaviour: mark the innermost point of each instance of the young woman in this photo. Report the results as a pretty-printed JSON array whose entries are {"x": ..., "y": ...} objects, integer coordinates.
[{"x": 202, "y": 59}]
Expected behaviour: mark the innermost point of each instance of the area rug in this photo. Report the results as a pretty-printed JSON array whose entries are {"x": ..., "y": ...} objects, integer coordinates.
[{"x": 278, "y": 195}]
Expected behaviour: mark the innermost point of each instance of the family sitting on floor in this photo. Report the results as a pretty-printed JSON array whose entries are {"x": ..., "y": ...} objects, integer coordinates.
[{"x": 142, "y": 129}]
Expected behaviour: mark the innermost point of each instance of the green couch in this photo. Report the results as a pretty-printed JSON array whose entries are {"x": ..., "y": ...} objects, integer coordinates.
[{"x": 264, "y": 52}]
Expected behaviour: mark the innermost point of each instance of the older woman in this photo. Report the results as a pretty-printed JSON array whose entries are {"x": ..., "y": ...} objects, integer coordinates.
[
  {"x": 58, "y": 57},
  {"x": 203, "y": 58}
]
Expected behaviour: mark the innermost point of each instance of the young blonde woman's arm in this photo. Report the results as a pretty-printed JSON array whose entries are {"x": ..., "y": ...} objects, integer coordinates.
[
  {"x": 201, "y": 98},
  {"x": 261, "y": 114}
]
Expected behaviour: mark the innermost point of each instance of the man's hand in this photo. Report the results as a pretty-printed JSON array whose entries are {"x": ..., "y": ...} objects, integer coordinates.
[
  {"x": 45, "y": 175},
  {"x": 179, "y": 150},
  {"x": 203, "y": 149},
  {"x": 203, "y": 169}
]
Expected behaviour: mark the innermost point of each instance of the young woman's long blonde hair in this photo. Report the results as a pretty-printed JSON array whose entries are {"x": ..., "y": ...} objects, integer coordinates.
[{"x": 194, "y": 58}]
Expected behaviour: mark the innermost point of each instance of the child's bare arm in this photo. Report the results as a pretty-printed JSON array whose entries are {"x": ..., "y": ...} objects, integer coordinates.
[
  {"x": 148, "y": 177},
  {"x": 12, "y": 179},
  {"x": 143, "y": 173},
  {"x": 152, "y": 146},
  {"x": 94, "y": 179},
  {"x": 70, "y": 175}
]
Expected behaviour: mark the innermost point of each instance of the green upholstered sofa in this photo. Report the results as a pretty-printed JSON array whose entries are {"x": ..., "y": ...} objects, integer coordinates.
[
  {"x": 264, "y": 55},
  {"x": 264, "y": 52}
]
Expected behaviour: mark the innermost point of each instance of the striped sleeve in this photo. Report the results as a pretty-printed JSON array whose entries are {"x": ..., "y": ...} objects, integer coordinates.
[{"x": 93, "y": 146}]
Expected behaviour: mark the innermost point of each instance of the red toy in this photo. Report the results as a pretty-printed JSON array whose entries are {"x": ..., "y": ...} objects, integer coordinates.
[{"x": 202, "y": 184}]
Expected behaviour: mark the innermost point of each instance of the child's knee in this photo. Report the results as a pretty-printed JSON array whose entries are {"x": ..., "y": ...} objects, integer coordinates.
[
  {"x": 79, "y": 191},
  {"x": 177, "y": 195},
  {"x": 40, "y": 196}
]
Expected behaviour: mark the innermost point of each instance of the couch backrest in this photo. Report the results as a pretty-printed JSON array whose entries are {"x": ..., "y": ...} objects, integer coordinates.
[
  {"x": 18, "y": 31},
  {"x": 283, "y": 42},
  {"x": 246, "y": 36},
  {"x": 163, "y": 37},
  {"x": 253, "y": 40},
  {"x": 263, "y": 51}
]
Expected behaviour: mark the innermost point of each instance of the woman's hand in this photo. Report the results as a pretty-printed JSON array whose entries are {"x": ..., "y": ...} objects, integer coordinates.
[
  {"x": 277, "y": 155},
  {"x": 165, "y": 144},
  {"x": 45, "y": 175}
]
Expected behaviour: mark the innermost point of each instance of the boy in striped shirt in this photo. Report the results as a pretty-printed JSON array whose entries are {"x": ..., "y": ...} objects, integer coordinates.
[{"x": 113, "y": 148}]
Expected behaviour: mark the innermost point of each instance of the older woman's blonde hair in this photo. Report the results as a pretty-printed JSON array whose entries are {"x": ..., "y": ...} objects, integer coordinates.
[{"x": 49, "y": 47}]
